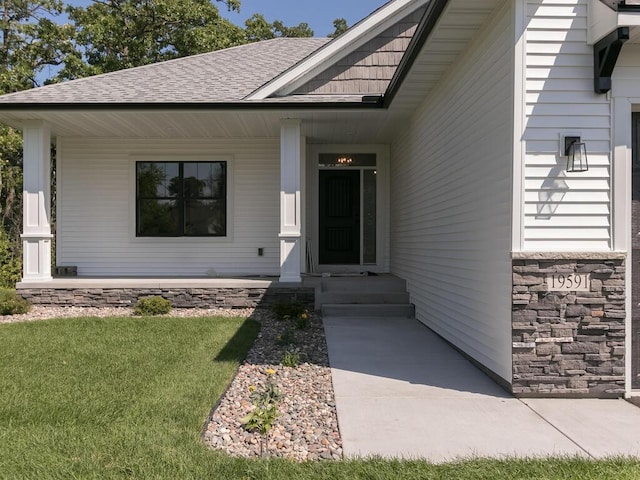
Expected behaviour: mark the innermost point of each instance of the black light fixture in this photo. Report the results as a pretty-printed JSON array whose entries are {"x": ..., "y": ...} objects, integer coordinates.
[{"x": 576, "y": 152}]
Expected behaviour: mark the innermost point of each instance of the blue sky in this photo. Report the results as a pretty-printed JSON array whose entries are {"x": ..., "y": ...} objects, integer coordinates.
[{"x": 318, "y": 14}]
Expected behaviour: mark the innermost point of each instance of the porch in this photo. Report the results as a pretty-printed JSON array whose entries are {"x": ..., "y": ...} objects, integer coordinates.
[{"x": 348, "y": 294}]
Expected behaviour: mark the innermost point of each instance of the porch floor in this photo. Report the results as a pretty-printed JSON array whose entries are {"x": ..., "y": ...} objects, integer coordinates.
[
  {"x": 155, "y": 282},
  {"x": 347, "y": 282}
]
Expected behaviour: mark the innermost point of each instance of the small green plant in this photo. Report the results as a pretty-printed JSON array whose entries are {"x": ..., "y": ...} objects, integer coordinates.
[
  {"x": 302, "y": 322},
  {"x": 12, "y": 304},
  {"x": 265, "y": 411},
  {"x": 152, "y": 306},
  {"x": 291, "y": 358},
  {"x": 285, "y": 338},
  {"x": 289, "y": 310}
]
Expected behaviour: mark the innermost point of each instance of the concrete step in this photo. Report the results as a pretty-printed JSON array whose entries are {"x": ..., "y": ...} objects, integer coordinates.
[
  {"x": 371, "y": 284},
  {"x": 368, "y": 310},
  {"x": 363, "y": 298}
]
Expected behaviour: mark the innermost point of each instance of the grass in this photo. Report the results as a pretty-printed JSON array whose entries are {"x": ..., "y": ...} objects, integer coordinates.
[{"x": 126, "y": 398}]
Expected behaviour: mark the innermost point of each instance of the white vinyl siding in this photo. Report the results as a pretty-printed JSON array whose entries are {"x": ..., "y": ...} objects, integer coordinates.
[
  {"x": 564, "y": 211},
  {"x": 451, "y": 184},
  {"x": 96, "y": 199}
]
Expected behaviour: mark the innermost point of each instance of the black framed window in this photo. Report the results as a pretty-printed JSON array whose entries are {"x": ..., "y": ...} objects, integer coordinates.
[{"x": 181, "y": 199}]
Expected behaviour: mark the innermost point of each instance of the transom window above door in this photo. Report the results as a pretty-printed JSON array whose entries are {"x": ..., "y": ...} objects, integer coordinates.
[
  {"x": 330, "y": 160},
  {"x": 181, "y": 199}
]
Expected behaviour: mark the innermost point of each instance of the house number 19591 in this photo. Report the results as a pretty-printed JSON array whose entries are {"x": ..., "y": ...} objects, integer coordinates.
[{"x": 568, "y": 282}]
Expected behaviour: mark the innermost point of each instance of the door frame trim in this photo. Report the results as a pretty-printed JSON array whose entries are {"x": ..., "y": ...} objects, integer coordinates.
[
  {"x": 625, "y": 101},
  {"x": 382, "y": 205}
]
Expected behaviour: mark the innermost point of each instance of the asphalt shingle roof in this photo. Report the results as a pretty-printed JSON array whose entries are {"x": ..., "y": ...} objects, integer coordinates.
[{"x": 217, "y": 77}]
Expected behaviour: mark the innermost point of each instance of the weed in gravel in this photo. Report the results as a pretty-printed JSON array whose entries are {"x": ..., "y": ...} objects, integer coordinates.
[
  {"x": 291, "y": 358},
  {"x": 286, "y": 338},
  {"x": 265, "y": 411},
  {"x": 289, "y": 310}
]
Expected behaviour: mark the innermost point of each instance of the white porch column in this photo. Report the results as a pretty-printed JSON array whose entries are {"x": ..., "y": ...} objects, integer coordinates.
[
  {"x": 36, "y": 209},
  {"x": 291, "y": 148}
]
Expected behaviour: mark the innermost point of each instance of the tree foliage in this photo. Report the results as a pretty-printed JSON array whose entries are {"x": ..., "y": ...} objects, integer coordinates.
[
  {"x": 117, "y": 34},
  {"x": 258, "y": 29},
  {"x": 31, "y": 42},
  {"x": 340, "y": 26}
]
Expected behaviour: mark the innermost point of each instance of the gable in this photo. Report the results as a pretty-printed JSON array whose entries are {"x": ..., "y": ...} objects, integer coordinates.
[{"x": 369, "y": 69}]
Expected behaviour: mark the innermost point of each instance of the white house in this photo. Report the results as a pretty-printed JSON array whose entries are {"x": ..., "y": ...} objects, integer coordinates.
[{"x": 430, "y": 141}]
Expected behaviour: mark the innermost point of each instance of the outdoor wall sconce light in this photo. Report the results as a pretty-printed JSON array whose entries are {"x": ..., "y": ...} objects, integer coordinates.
[{"x": 576, "y": 152}]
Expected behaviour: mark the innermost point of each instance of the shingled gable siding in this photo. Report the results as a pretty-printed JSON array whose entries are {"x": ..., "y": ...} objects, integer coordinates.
[
  {"x": 451, "y": 200},
  {"x": 369, "y": 69},
  {"x": 97, "y": 210},
  {"x": 564, "y": 211}
]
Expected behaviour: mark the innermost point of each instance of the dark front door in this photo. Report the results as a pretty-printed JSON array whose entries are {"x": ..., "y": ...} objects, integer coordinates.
[
  {"x": 635, "y": 256},
  {"x": 339, "y": 217}
]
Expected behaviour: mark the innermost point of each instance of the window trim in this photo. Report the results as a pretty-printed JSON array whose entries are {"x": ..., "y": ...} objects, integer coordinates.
[{"x": 133, "y": 200}]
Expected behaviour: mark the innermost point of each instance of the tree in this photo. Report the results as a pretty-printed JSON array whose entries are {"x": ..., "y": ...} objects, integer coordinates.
[
  {"x": 117, "y": 34},
  {"x": 31, "y": 42},
  {"x": 340, "y": 26},
  {"x": 258, "y": 28}
]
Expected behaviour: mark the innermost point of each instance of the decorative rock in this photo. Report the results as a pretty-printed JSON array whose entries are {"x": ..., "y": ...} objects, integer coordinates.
[
  {"x": 580, "y": 348},
  {"x": 307, "y": 426}
]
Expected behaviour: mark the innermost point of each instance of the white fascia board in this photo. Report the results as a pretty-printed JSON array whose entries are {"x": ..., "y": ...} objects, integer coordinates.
[
  {"x": 629, "y": 19},
  {"x": 351, "y": 40},
  {"x": 603, "y": 20}
]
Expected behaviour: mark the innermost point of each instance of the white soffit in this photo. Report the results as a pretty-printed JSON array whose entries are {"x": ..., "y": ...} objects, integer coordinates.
[
  {"x": 603, "y": 20},
  {"x": 351, "y": 40}
]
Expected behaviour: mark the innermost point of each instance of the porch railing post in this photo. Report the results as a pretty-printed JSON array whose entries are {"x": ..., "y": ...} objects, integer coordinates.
[
  {"x": 291, "y": 168},
  {"x": 36, "y": 209}
]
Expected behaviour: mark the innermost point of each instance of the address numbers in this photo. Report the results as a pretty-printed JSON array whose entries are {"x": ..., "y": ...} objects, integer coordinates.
[{"x": 569, "y": 282}]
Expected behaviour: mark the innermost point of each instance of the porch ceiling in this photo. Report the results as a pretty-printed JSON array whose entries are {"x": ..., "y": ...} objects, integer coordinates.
[{"x": 339, "y": 126}]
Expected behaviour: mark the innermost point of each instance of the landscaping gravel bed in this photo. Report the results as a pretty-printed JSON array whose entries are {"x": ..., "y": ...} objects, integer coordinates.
[{"x": 306, "y": 427}]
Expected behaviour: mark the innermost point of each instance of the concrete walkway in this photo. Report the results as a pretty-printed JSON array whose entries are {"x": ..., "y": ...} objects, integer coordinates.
[{"x": 401, "y": 391}]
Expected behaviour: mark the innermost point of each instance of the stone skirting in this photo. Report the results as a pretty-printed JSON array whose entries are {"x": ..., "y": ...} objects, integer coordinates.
[
  {"x": 569, "y": 343},
  {"x": 179, "y": 297}
]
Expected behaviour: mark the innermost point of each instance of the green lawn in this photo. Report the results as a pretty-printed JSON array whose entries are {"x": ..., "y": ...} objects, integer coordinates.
[{"x": 127, "y": 397}]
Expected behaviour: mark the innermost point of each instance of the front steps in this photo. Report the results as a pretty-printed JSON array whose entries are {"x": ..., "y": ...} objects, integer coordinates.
[{"x": 364, "y": 296}]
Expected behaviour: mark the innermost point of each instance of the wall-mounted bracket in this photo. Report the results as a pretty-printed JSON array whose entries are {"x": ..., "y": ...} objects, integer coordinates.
[
  {"x": 605, "y": 56},
  {"x": 621, "y": 5}
]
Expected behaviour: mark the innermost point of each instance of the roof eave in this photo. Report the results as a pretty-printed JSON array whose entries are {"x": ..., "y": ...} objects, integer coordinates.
[
  {"x": 424, "y": 30},
  {"x": 365, "y": 103}
]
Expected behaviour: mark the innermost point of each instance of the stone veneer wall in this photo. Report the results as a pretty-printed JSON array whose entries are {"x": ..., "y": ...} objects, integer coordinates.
[
  {"x": 569, "y": 343},
  {"x": 179, "y": 297}
]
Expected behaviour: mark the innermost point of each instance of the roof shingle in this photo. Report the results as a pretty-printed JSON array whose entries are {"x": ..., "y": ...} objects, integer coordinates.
[{"x": 217, "y": 77}]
